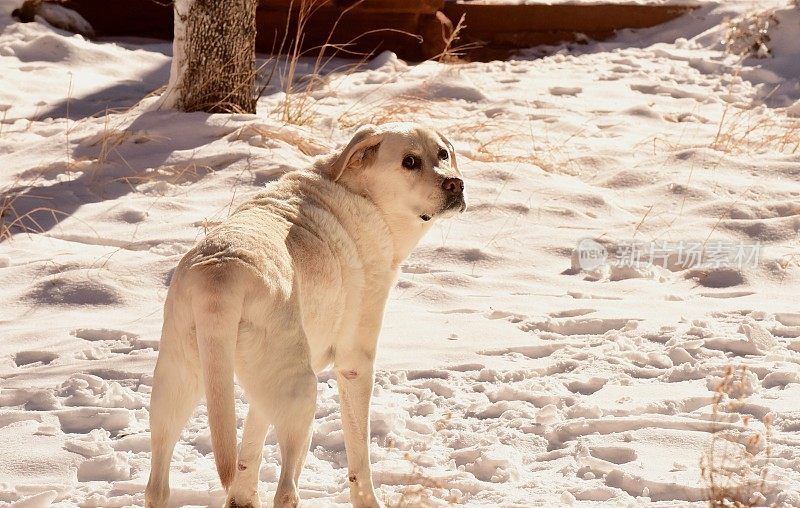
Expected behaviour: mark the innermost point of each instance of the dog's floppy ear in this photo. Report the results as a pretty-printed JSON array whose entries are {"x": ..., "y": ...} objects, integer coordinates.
[
  {"x": 359, "y": 151},
  {"x": 453, "y": 160}
]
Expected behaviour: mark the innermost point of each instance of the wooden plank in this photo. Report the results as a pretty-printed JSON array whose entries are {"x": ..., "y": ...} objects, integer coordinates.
[
  {"x": 139, "y": 18},
  {"x": 358, "y": 32},
  {"x": 493, "y": 18},
  {"x": 396, "y": 25},
  {"x": 502, "y": 29},
  {"x": 389, "y": 6}
]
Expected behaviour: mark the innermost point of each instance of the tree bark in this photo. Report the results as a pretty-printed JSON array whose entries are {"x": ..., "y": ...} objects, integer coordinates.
[{"x": 213, "y": 61}]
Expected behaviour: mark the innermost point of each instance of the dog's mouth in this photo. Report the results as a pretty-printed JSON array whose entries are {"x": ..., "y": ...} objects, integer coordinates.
[
  {"x": 457, "y": 204},
  {"x": 453, "y": 206}
]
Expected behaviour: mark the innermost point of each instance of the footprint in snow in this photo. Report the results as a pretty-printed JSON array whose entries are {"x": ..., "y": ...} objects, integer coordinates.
[
  {"x": 717, "y": 278},
  {"x": 532, "y": 352},
  {"x": 566, "y": 90},
  {"x": 613, "y": 454},
  {"x": 510, "y": 316},
  {"x": 33, "y": 358},
  {"x": 571, "y": 313},
  {"x": 587, "y": 386},
  {"x": 118, "y": 341},
  {"x": 585, "y": 326}
]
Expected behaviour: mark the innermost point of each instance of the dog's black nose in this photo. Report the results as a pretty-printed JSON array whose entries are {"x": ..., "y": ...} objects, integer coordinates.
[{"x": 453, "y": 185}]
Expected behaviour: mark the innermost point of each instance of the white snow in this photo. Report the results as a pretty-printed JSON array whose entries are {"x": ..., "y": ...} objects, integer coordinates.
[{"x": 507, "y": 374}]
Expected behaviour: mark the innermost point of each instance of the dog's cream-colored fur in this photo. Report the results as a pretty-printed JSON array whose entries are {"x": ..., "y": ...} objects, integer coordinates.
[{"x": 294, "y": 282}]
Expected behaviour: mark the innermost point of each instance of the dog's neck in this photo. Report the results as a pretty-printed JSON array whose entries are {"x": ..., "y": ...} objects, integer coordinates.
[
  {"x": 406, "y": 229},
  {"x": 406, "y": 233}
]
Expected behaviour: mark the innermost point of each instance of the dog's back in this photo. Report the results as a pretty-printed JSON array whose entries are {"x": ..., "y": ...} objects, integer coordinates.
[{"x": 277, "y": 260}]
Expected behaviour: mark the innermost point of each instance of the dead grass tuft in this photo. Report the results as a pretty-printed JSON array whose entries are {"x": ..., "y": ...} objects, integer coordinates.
[
  {"x": 262, "y": 135},
  {"x": 492, "y": 140},
  {"x": 172, "y": 174},
  {"x": 112, "y": 136},
  {"x": 755, "y": 129},
  {"x": 742, "y": 129},
  {"x": 453, "y": 53},
  {"x": 296, "y": 106},
  {"x": 420, "y": 489},
  {"x": 749, "y": 35},
  {"x": 788, "y": 260},
  {"x": 12, "y": 221},
  {"x": 3, "y": 109},
  {"x": 734, "y": 474},
  {"x": 298, "y": 103}
]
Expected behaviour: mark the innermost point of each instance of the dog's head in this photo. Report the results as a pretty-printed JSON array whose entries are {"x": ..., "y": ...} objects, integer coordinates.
[{"x": 404, "y": 168}]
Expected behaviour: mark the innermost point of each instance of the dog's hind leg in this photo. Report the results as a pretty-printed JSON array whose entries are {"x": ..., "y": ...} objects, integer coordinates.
[
  {"x": 244, "y": 489},
  {"x": 285, "y": 397},
  {"x": 294, "y": 407},
  {"x": 176, "y": 390}
]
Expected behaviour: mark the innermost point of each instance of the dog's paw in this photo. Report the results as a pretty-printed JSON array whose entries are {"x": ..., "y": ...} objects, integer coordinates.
[
  {"x": 243, "y": 501},
  {"x": 364, "y": 498},
  {"x": 233, "y": 503},
  {"x": 156, "y": 497},
  {"x": 286, "y": 499},
  {"x": 372, "y": 503}
]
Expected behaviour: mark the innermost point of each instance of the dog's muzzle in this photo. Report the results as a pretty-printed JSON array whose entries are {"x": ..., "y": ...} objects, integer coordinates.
[
  {"x": 456, "y": 203},
  {"x": 454, "y": 194}
]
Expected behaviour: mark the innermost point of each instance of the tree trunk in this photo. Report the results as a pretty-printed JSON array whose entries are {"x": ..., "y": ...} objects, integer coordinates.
[{"x": 213, "y": 61}]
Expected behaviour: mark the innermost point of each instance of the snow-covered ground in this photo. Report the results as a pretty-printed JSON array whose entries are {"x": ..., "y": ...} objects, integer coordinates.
[{"x": 508, "y": 375}]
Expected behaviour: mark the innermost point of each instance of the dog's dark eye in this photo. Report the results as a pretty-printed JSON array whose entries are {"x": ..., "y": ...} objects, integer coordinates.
[
  {"x": 410, "y": 162},
  {"x": 443, "y": 154}
]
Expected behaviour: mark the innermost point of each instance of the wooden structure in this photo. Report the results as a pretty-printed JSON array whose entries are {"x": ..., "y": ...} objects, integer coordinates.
[
  {"x": 414, "y": 29},
  {"x": 501, "y": 29}
]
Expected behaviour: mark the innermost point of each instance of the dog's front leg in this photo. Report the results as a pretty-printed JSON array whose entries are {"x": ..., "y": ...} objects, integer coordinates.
[{"x": 355, "y": 375}]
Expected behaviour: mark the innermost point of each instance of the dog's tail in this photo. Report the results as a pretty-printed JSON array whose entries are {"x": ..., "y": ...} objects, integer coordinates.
[{"x": 216, "y": 316}]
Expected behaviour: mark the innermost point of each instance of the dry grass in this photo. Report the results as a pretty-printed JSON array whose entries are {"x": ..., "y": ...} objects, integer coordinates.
[
  {"x": 12, "y": 221},
  {"x": 752, "y": 127},
  {"x": 298, "y": 103},
  {"x": 3, "y": 109},
  {"x": 453, "y": 53},
  {"x": 296, "y": 106},
  {"x": 98, "y": 149},
  {"x": 493, "y": 140},
  {"x": 102, "y": 147},
  {"x": 756, "y": 129},
  {"x": 419, "y": 489},
  {"x": 749, "y": 35},
  {"x": 108, "y": 140},
  {"x": 261, "y": 135},
  {"x": 741, "y": 129},
  {"x": 733, "y": 474},
  {"x": 172, "y": 174},
  {"x": 787, "y": 260}
]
